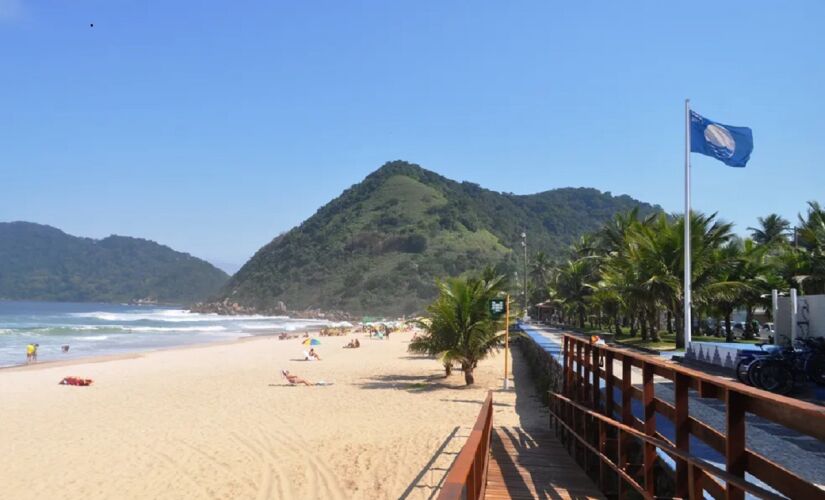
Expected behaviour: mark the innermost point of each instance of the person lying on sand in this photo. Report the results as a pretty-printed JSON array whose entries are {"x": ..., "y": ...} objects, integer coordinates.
[{"x": 294, "y": 379}]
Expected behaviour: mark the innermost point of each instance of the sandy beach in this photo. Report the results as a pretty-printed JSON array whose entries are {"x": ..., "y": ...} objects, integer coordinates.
[{"x": 218, "y": 421}]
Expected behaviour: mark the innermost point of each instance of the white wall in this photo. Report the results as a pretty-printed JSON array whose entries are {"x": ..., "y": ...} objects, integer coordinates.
[{"x": 810, "y": 308}]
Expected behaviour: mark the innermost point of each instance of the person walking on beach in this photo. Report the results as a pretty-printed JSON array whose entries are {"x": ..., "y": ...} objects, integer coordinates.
[{"x": 31, "y": 353}]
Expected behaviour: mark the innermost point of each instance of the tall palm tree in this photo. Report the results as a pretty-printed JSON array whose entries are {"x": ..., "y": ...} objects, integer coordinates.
[
  {"x": 572, "y": 284},
  {"x": 660, "y": 248},
  {"x": 540, "y": 270},
  {"x": 772, "y": 229},
  {"x": 460, "y": 327}
]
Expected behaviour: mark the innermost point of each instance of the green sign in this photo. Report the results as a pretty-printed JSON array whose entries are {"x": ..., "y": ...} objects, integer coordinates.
[{"x": 497, "y": 307}]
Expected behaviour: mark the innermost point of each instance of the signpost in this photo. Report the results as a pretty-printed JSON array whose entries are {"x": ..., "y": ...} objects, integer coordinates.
[{"x": 497, "y": 306}]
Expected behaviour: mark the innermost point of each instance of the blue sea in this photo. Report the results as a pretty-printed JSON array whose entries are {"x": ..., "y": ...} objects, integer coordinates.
[{"x": 95, "y": 329}]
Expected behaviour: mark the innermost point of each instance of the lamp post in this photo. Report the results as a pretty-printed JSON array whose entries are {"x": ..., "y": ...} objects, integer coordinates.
[{"x": 524, "y": 246}]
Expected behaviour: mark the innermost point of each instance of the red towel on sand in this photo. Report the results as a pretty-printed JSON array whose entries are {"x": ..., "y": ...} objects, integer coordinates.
[{"x": 76, "y": 381}]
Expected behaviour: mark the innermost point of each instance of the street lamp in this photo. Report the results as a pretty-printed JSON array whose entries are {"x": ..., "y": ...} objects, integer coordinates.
[{"x": 524, "y": 246}]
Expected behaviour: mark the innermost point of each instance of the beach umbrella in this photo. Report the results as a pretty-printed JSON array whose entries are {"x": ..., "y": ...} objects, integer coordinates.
[{"x": 311, "y": 342}]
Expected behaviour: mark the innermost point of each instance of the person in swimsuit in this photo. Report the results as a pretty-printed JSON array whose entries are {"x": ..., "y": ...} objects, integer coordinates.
[{"x": 294, "y": 379}]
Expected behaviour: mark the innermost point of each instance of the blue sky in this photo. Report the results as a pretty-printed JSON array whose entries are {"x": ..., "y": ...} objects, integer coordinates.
[{"x": 214, "y": 126}]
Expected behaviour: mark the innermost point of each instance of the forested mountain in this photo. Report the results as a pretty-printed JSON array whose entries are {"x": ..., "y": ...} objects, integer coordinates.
[
  {"x": 40, "y": 262},
  {"x": 378, "y": 248}
]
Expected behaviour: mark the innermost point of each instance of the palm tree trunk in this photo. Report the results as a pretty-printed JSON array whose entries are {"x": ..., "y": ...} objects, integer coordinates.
[
  {"x": 448, "y": 369},
  {"x": 643, "y": 324},
  {"x": 618, "y": 325},
  {"x": 680, "y": 330},
  {"x": 749, "y": 333},
  {"x": 728, "y": 329},
  {"x": 670, "y": 322},
  {"x": 469, "y": 379},
  {"x": 654, "y": 326}
]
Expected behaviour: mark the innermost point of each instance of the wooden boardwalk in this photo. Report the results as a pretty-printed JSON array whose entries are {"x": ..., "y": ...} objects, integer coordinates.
[{"x": 534, "y": 464}]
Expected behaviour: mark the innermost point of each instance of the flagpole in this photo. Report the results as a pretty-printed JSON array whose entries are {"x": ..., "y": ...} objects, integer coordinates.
[
  {"x": 506, "y": 340},
  {"x": 687, "y": 299}
]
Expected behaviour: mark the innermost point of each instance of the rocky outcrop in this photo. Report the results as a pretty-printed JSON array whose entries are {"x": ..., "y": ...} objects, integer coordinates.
[{"x": 228, "y": 308}]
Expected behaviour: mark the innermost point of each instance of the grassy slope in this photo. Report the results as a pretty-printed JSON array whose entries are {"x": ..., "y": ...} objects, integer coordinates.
[{"x": 378, "y": 248}]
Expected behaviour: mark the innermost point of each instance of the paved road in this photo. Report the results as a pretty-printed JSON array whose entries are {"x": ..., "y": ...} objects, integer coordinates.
[{"x": 801, "y": 454}]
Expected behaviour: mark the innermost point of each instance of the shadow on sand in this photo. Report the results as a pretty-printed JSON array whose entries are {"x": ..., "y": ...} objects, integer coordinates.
[{"x": 411, "y": 383}]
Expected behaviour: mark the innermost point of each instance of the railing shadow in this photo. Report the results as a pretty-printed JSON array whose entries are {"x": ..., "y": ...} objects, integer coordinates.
[{"x": 428, "y": 467}]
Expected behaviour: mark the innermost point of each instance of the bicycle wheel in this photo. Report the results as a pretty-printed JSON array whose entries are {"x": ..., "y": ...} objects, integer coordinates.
[
  {"x": 775, "y": 376},
  {"x": 752, "y": 374},
  {"x": 815, "y": 368},
  {"x": 742, "y": 367}
]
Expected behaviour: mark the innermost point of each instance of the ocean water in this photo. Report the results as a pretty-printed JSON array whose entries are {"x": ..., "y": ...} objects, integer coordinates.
[{"x": 95, "y": 329}]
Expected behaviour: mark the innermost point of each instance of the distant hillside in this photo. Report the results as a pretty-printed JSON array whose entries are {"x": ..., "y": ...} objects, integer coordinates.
[
  {"x": 40, "y": 262},
  {"x": 378, "y": 247}
]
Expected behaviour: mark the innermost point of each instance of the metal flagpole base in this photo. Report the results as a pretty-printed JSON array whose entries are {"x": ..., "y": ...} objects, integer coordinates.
[{"x": 506, "y": 384}]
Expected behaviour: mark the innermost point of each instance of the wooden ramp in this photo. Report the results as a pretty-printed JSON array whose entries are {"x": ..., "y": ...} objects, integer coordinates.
[{"x": 533, "y": 464}]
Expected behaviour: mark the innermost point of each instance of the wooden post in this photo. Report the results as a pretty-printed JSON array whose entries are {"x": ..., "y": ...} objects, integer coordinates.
[
  {"x": 608, "y": 367},
  {"x": 603, "y": 451},
  {"x": 694, "y": 483},
  {"x": 596, "y": 378},
  {"x": 627, "y": 392},
  {"x": 627, "y": 417},
  {"x": 681, "y": 423},
  {"x": 649, "y": 426},
  {"x": 566, "y": 361},
  {"x": 735, "y": 458},
  {"x": 579, "y": 370},
  {"x": 587, "y": 368},
  {"x": 621, "y": 454}
]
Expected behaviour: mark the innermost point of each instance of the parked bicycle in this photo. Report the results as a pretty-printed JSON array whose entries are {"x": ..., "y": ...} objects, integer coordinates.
[{"x": 782, "y": 369}]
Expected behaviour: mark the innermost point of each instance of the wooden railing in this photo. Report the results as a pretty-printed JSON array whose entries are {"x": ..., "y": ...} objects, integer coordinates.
[
  {"x": 467, "y": 478},
  {"x": 587, "y": 413}
]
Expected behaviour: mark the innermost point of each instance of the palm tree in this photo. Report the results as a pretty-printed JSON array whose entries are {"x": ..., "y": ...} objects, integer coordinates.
[
  {"x": 460, "y": 328},
  {"x": 772, "y": 229},
  {"x": 438, "y": 336},
  {"x": 812, "y": 248},
  {"x": 661, "y": 255},
  {"x": 540, "y": 271},
  {"x": 572, "y": 284}
]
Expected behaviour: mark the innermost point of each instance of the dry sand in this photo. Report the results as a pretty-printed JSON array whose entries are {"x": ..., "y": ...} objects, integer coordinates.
[{"x": 218, "y": 421}]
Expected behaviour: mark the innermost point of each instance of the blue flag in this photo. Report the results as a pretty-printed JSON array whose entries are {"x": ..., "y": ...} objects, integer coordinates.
[{"x": 730, "y": 145}]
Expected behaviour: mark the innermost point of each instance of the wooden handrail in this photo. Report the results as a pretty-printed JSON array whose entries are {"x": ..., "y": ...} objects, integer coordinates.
[
  {"x": 802, "y": 416},
  {"x": 467, "y": 477},
  {"x": 658, "y": 443},
  {"x": 582, "y": 381}
]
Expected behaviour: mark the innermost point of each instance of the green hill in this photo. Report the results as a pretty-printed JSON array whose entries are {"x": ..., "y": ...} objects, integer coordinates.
[
  {"x": 378, "y": 247},
  {"x": 40, "y": 262}
]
